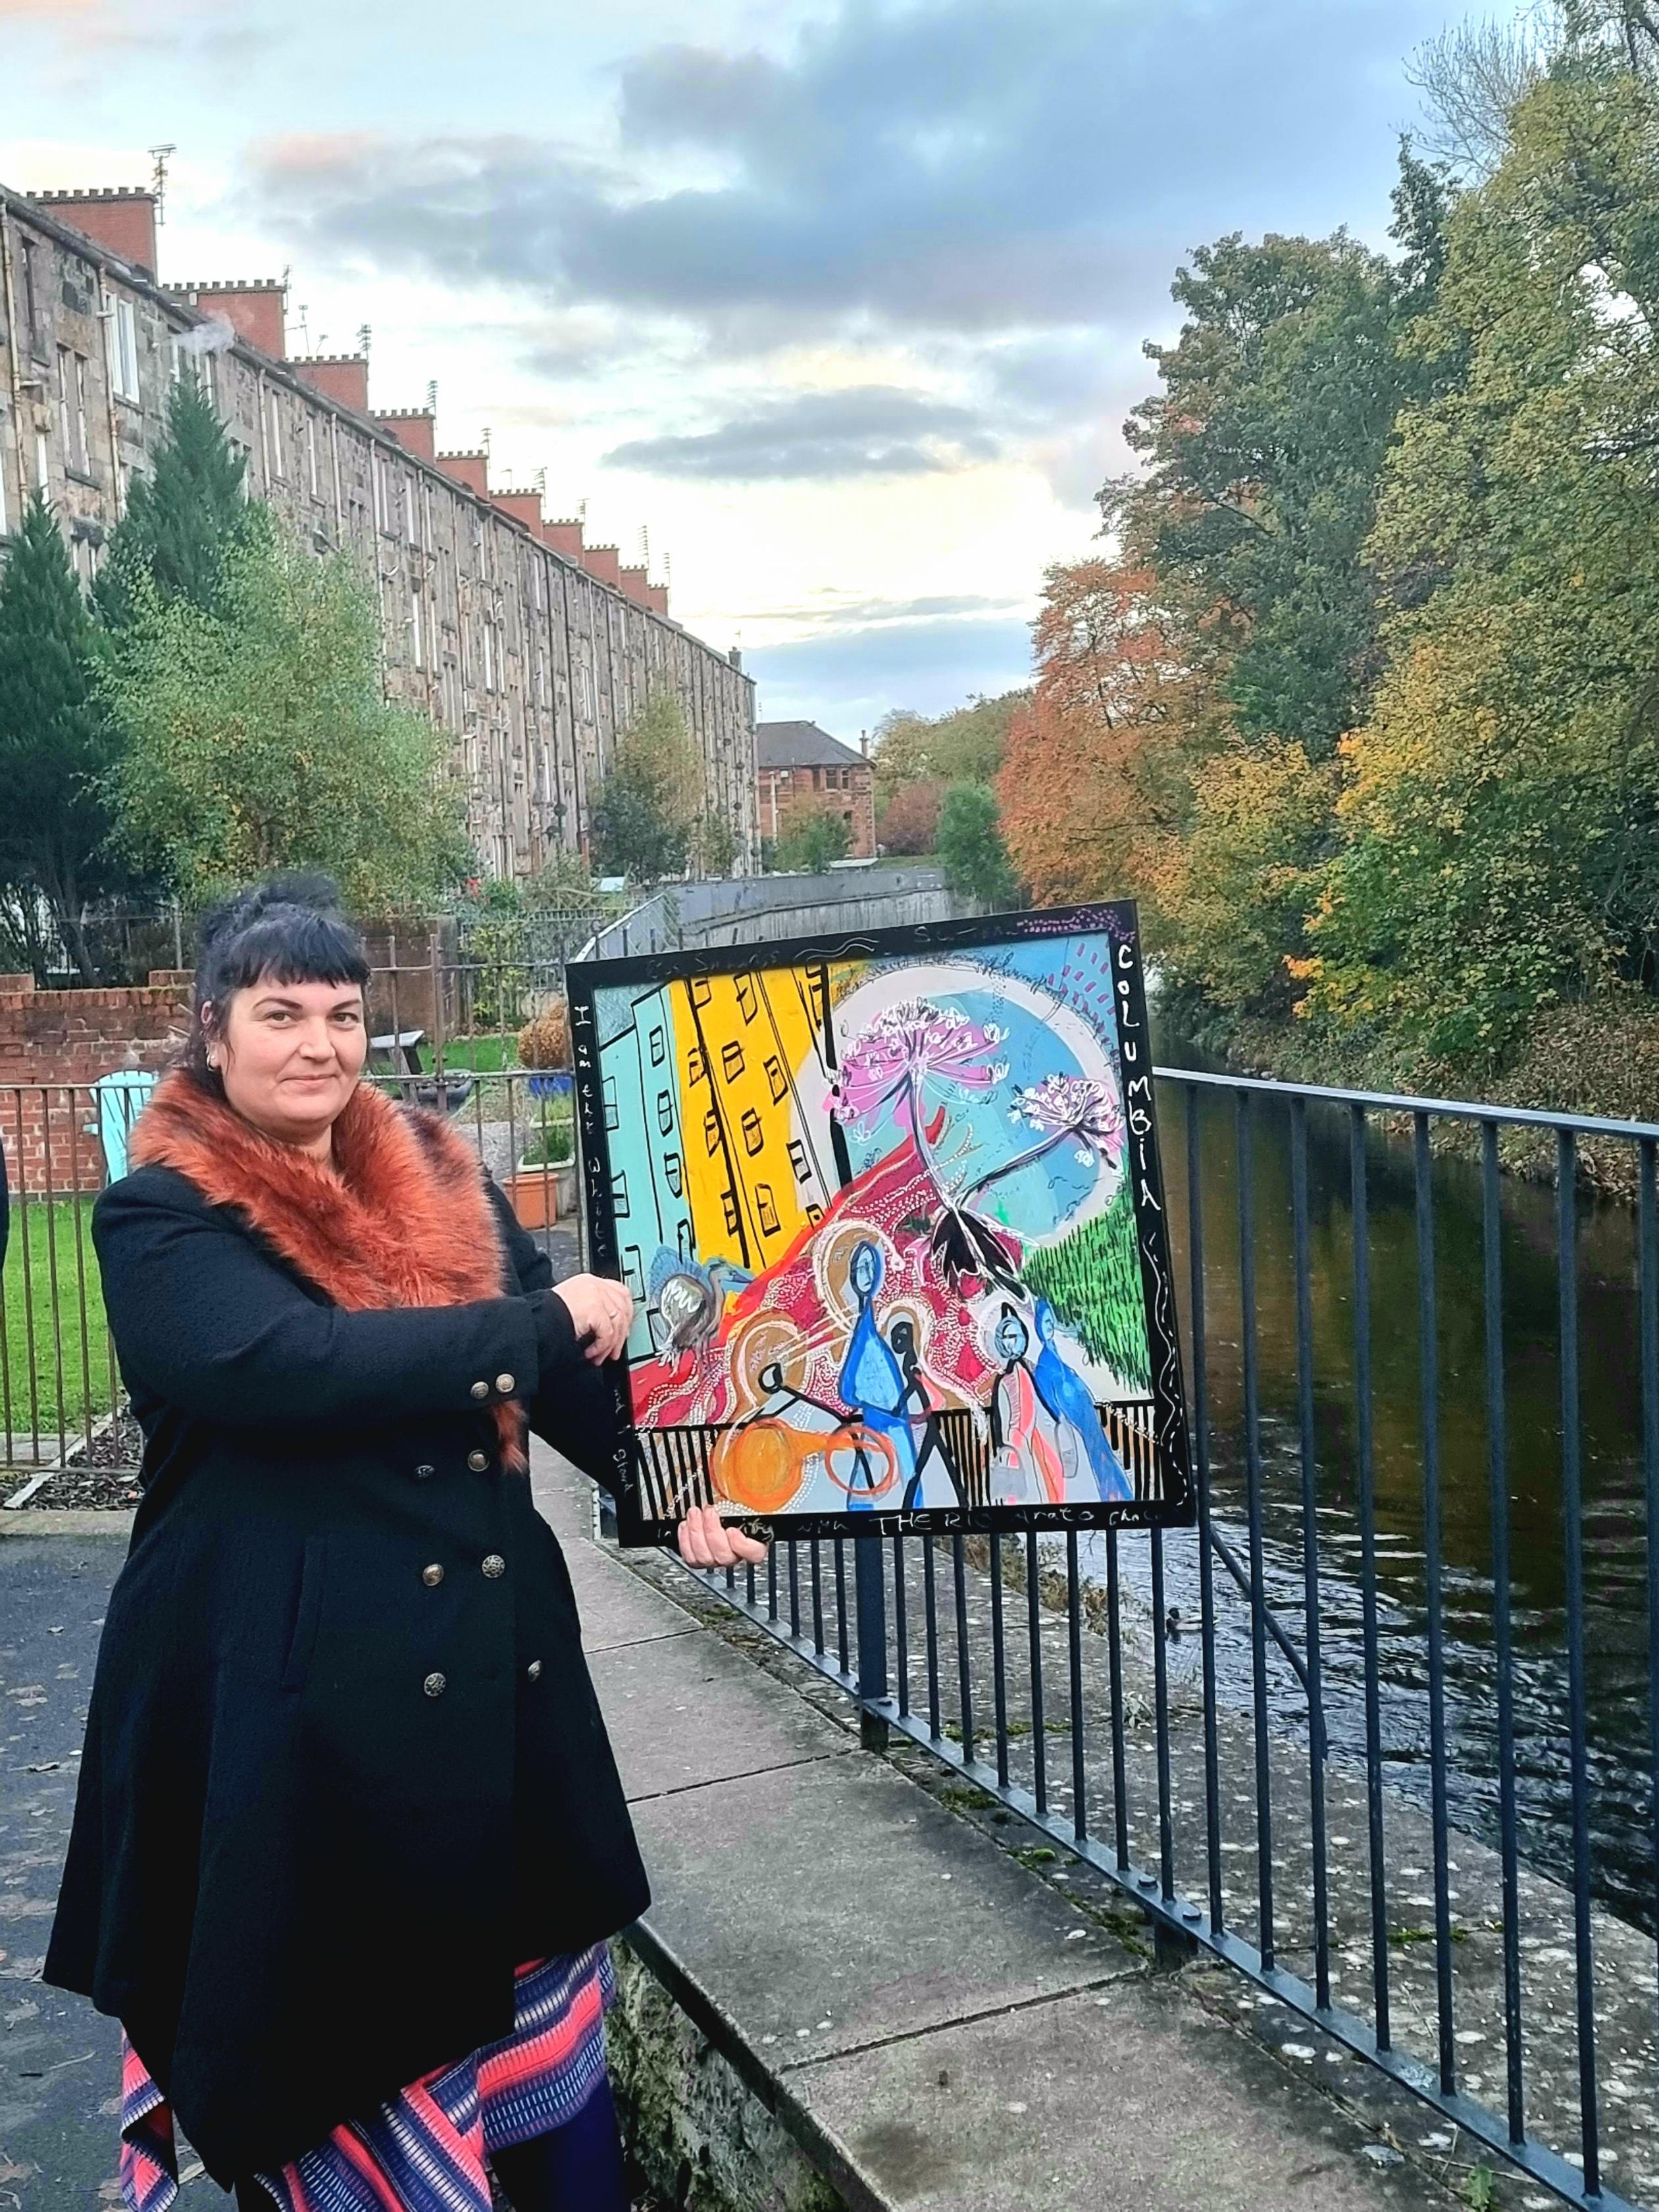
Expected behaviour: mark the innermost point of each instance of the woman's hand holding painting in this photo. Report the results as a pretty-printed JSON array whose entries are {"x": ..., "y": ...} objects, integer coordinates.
[
  {"x": 602, "y": 1312},
  {"x": 705, "y": 1541}
]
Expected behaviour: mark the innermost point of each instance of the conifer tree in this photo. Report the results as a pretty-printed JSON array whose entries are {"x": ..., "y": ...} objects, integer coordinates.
[
  {"x": 55, "y": 738},
  {"x": 181, "y": 520}
]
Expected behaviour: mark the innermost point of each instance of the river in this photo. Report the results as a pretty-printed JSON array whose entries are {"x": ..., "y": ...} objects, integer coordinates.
[{"x": 1614, "y": 1521}]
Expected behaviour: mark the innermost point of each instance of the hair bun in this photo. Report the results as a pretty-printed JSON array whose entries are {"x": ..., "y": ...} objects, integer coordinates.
[{"x": 287, "y": 887}]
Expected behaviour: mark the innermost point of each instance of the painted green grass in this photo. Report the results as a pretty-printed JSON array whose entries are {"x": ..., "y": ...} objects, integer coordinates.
[
  {"x": 1092, "y": 1281},
  {"x": 483, "y": 1055},
  {"x": 55, "y": 1372}
]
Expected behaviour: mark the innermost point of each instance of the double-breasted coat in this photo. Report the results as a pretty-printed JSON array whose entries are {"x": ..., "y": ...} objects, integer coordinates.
[{"x": 345, "y": 1768}]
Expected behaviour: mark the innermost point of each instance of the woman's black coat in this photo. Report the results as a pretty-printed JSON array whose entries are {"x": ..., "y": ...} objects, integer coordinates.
[{"x": 344, "y": 1765}]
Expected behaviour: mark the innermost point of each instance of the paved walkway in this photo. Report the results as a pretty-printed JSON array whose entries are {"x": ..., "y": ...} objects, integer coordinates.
[{"x": 945, "y": 2028}]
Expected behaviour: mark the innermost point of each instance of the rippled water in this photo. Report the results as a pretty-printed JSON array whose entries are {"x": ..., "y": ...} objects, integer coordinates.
[{"x": 1614, "y": 1521}]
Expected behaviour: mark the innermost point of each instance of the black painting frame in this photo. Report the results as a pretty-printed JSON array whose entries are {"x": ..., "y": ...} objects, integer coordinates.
[{"x": 1115, "y": 919}]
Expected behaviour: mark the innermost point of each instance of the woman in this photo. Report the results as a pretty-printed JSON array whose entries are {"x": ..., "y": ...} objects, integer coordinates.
[{"x": 349, "y": 1836}]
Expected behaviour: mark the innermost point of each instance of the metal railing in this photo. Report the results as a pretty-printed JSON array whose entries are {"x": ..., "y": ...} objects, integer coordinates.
[
  {"x": 1379, "y": 1732},
  {"x": 1327, "y": 1802}
]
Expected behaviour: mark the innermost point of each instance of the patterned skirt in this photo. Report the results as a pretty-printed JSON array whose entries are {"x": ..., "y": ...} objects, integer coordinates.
[{"x": 425, "y": 2150}]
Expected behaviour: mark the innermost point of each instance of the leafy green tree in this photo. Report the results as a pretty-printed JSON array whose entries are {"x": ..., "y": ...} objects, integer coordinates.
[
  {"x": 258, "y": 735},
  {"x": 1263, "y": 452},
  {"x": 965, "y": 745},
  {"x": 56, "y": 744},
  {"x": 970, "y": 847},
  {"x": 182, "y": 519},
  {"x": 652, "y": 802},
  {"x": 1501, "y": 817},
  {"x": 814, "y": 838}
]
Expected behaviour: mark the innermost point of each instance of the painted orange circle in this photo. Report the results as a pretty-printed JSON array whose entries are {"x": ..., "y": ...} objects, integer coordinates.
[{"x": 757, "y": 1466}]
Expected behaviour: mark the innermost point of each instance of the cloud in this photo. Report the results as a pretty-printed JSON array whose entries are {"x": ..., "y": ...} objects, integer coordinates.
[
  {"x": 851, "y": 678},
  {"x": 861, "y": 430},
  {"x": 980, "y": 166}
]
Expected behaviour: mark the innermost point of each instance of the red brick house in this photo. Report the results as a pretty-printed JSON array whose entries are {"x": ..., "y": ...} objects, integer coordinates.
[{"x": 798, "y": 765}]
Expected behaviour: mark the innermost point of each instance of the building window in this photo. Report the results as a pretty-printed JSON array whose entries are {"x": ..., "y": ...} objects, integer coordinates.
[
  {"x": 415, "y": 652},
  {"x": 659, "y": 1045},
  {"x": 684, "y": 1238},
  {"x": 753, "y": 1135},
  {"x": 695, "y": 1066},
  {"x": 311, "y": 454},
  {"x": 72, "y": 408},
  {"x": 814, "y": 1215},
  {"x": 766, "y": 1211},
  {"x": 619, "y": 1195},
  {"x": 798, "y": 1160},
  {"x": 748, "y": 999},
  {"x": 612, "y": 1118},
  {"x": 32, "y": 304},
  {"x": 776, "y": 1081},
  {"x": 410, "y": 531},
  {"x": 731, "y": 1060},
  {"x": 729, "y": 1208},
  {"x": 584, "y": 691},
  {"x": 711, "y": 1132},
  {"x": 42, "y": 463},
  {"x": 634, "y": 1272},
  {"x": 489, "y": 654},
  {"x": 701, "y": 990},
  {"x": 673, "y": 1172},
  {"x": 377, "y": 475},
  {"x": 121, "y": 343},
  {"x": 664, "y": 1111},
  {"x": 274, "y": 437}
]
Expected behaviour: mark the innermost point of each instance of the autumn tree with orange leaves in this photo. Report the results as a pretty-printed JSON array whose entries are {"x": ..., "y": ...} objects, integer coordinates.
[{"x": 1095, "y": 784}]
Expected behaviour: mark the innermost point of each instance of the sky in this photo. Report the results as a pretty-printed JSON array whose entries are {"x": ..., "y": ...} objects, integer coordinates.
[{"x": 834, "y": 308}]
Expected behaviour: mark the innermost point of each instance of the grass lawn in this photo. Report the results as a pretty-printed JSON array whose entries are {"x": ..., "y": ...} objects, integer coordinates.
[
  {"x": 485, "y": 1055},
  {"x": 30, "y": 1387}
]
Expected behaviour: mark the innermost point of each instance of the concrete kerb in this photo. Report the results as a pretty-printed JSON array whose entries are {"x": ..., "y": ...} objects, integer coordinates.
[{"x": 65, "y": 1521}]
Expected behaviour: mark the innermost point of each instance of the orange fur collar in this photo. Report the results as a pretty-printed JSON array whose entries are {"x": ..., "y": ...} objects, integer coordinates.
[{"x": 401, "y": 1218}]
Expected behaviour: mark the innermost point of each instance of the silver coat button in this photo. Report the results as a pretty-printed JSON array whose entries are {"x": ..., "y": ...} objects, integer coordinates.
[
  {"x": 481, "y": 1389},
  {"x": 434, "y": 1686},
  {"x": 492, "y": 1564},
  {"x": 423, "y": 1473},
  {"x": 506, "y": 1384},
  {"x": 478, "y": 1461},
  {"x": 534, "y": 1670},
  {"x": 432, "y": 1576}
]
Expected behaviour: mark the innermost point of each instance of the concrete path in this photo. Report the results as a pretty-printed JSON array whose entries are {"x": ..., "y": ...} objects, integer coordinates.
[{"x": 940, "y": 2027}]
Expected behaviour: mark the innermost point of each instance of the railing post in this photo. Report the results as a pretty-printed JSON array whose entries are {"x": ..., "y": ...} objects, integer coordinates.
[{"x": 870, "y": 1590}]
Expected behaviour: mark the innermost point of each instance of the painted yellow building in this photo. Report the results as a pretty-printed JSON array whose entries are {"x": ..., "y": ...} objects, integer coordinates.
[{"x": 758, "y": 1171}]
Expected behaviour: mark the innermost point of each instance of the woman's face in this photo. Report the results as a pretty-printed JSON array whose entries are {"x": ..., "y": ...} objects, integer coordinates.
[{"x": 289, "y": 1056}]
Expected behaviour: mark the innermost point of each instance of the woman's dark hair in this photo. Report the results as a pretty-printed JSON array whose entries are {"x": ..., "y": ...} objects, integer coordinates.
[{"x": 289, "y": 929}]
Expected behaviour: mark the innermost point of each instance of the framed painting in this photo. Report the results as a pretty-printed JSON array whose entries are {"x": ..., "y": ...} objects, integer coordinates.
[{"x": 890, "y": 1208}]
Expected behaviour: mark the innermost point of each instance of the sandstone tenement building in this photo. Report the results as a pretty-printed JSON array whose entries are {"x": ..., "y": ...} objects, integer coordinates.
[
  {"x": 800, "y": 768},
  {"x": 533, "y": 648}
]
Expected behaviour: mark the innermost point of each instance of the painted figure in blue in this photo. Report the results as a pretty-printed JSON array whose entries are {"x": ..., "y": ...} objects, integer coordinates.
[
  {"x": 1063, "y": 1392},
  {"x": 872, "y": 1380}
]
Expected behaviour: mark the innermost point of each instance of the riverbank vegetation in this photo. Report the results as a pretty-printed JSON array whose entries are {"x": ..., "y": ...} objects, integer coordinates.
[{"x": 1361, "y": 697}]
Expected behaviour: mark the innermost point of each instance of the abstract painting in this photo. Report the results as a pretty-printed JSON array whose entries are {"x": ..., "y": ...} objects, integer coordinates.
[{"x": 891, "y": 1209}]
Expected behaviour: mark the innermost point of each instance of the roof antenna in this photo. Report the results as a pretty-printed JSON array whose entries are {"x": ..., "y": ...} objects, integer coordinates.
[
  {"x": 158, "y": 180},
  {"x": 432, "y": 396},
  {"x": 305, "y": 329},
  {"x": 364, "y": 334}
]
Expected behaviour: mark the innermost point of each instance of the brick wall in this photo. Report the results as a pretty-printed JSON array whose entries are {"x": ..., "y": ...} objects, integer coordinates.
[
  {"x": 850, "y": 791},
  {"x": 66, "y": 1040}
]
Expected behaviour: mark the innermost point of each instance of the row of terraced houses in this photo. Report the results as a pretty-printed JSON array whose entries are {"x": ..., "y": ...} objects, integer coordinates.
[{"x": 534, "y": 649}]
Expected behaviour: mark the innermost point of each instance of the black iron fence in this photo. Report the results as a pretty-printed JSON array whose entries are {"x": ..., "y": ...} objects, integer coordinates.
[{"x": 1380, "y": 1732}]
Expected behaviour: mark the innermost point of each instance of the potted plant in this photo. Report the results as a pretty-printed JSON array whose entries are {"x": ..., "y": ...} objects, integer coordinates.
[
  {"x": 542, "y": 1189},
  {"x": 545, "y": 1049}
]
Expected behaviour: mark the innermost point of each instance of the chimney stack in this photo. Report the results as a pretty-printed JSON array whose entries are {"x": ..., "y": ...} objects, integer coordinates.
[
  {"x": 471, "y": 470},
  {"x": 603, "y": 562},
  {"x": 121, "y": 218},
  {"x": 415, "y": 429},
  {"x": 633, "y": 582},
  {"x": 252, "y": 306},
  {"x": 565, "y": 537},
  {"x": 343, "y": 377},
  {"x": 656, "y": 597},
  {"x": 524, "y": 507}
]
